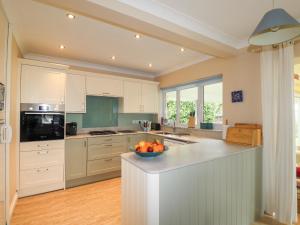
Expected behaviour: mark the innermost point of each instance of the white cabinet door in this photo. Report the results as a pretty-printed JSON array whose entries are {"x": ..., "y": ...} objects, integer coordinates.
[
  {"x": 132, "y": 97},
  {"x": 42, "y": 85},
  {"x": 103, "y": 86},
  {"x": 149, "y": 103},
  {"x": 75, "y": 94}
]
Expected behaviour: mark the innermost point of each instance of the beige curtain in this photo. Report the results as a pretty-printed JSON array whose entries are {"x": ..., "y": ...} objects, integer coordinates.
[{"x": 279, "y": 150}]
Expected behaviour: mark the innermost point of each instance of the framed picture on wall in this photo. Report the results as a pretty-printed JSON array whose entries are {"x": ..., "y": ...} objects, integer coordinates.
[{"x": 237, "y": 96}]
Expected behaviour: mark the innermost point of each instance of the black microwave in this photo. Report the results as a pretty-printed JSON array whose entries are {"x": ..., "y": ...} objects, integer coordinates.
[{"x": 41, "y": 122}]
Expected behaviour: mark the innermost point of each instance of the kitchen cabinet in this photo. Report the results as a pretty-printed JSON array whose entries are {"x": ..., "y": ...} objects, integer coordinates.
[
  {"x": 106, "y": 165},
  {"x": 104, "y": 86},
  {"x": 153, "y": 137},
  {"x": 41, "y": 167},
  {"x": 134, "y": 139},
  {"x": 132, "y": 97},
  {"x": 149, "y": 98},
  {"x": 75, "y": 94},
  {"x": 76, "y": 158},
  {"x": 104, "y": 154},
  {"x": 140, "y": 97},
  {"x": 42, "y": 85}
]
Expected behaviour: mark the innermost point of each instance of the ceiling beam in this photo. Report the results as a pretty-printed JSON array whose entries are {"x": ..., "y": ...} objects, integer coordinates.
[{"x": 124, "y": 16}]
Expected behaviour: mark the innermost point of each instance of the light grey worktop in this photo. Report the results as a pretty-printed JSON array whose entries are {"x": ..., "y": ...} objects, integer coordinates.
[
  {"x": 185, "y": 155},
  {"x": 188, "y": 138}
]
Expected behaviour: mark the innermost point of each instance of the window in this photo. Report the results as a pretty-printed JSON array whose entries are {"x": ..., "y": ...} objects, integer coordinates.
[
  {"x": 213, "y": 100},
  {"x": 171, "y": 105},
  {"x": 204, "y": 99},
  {"x": 188, "y": 104}
]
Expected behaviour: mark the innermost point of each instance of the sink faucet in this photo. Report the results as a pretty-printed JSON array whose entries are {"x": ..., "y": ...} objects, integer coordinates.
[{"x": 174, "y": 127}]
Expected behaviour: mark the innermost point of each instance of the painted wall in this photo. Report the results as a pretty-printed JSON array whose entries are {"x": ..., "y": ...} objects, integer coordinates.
[
  {"x": 241, "y": 72},
  {"x": 14, "y": 93}
]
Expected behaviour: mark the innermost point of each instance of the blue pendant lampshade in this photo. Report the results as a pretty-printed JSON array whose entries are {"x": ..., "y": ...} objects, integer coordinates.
[{"x": 276, "y": 26}]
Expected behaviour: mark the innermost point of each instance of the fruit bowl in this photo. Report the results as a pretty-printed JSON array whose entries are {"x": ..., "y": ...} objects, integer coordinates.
[{"x": 149, "y": 149}]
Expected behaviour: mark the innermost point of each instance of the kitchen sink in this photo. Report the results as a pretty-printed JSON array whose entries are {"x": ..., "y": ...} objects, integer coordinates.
[
  {"x": 163, "y": 133},
  {"x": 169, "y": 133}
]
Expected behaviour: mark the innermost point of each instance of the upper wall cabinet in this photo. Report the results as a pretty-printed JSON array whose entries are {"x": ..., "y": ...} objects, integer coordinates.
[
  {"x": 150, "y": 98},
  {"x": 140, "y": 97},
  {"x": 75, "y": 94},
  {"x": 132, "y": 97},
  {"x": 42, "y": 85},
  {"x": 104, "y": 86}
]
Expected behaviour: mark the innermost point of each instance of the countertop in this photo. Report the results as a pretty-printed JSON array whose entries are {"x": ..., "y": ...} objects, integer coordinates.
[
  {"x": 189, "y": 138},
  {"x": 185, "y": 155}
]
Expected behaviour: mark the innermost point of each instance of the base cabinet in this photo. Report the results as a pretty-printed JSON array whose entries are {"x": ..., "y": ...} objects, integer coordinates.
[
  {"x": 98, "y": 158},
  {"x": 76, "y": 157},
  {"x": 41, "y": 167},
  {"x": 101, "y": 166}
]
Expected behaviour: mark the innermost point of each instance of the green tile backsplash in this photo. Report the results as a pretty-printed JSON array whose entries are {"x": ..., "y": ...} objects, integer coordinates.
[
  {"x": 100, "y": 112},
  {"x": 103, "y": 112}
]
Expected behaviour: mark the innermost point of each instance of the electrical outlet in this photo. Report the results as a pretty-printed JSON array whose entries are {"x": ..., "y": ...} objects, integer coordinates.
[{"x": 135, "y": 121}]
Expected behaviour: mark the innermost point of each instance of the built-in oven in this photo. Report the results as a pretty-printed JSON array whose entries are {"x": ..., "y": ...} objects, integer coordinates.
[{"x": 41, "y": 122}]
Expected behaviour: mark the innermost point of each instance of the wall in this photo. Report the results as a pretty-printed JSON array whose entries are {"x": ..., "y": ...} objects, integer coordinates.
[
  {"x": 124, "y": 120},
  {"x": 241, "y": 72},
  {"x": 14, "y": 93},
  {"x": 102, "y": 112},
  {"x": 3, "y": 38}
]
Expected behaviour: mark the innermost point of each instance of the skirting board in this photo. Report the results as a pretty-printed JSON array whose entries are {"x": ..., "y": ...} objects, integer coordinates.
[{"x": 12, "y": 206}]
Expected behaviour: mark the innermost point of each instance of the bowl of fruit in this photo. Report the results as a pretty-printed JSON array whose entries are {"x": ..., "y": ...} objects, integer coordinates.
[{"x": 149, "y": 149}]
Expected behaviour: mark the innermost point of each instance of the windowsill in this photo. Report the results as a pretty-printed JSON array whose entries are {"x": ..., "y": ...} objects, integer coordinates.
[{"x": 196, "y": 128}]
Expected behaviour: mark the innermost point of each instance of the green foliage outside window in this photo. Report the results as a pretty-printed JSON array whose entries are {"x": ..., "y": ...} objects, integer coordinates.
[
  {"x": 171, "y": 110},
  {"x": 212, "y": 112},
  {"x": 186, "y": 107}
]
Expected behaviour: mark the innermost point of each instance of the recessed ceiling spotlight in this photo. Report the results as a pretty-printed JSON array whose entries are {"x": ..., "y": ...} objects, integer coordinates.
[
  {"x": 137, "y": 36},
  {"x": 182, "y": 49},
  {"x": 61, "y": 47},
  {"x": 70, "y": 16},
  {"x": 150, "y": 65},
  {"x": 113, "y": 57}
]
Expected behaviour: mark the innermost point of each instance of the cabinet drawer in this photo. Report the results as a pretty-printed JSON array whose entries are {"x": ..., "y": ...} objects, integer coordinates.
[
  {"x": 105, "y": 150},
  {"x": 103, "y": 165},
  {"x": 41, "y": 176},
  {"x": 42, "y": 145},
  {"x": 41, "y": 158},
  {"x": 106, "y": 140}
]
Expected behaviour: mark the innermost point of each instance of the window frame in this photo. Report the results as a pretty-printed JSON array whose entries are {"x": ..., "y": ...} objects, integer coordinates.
[{"x": 200, "y": 85}]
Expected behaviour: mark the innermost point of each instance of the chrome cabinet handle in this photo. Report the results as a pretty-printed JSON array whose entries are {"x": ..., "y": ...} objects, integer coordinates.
[
  {"x": 108, "y": 160},
  {"x": 41, "y": 146},
  {"x": 42, "y": 152},
  {"x": 42, "y": 171},
  {"x": 110, "y": 145},
  {"x": 108, "y": 139}
]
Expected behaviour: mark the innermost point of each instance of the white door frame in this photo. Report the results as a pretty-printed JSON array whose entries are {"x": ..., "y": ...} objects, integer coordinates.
[{"x": 7, "y": 119}]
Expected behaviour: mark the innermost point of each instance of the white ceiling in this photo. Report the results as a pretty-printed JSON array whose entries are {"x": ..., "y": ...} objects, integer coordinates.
[
  {"x": 41, "y": 29},
  {"x": 237, "y": 18}
]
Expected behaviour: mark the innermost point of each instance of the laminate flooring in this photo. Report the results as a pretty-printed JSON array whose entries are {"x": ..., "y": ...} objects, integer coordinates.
[{"x": 92, "y": 204}]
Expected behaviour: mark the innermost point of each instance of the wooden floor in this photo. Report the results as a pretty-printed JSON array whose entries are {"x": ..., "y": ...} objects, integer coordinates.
[{"x": 93, "y": 204}]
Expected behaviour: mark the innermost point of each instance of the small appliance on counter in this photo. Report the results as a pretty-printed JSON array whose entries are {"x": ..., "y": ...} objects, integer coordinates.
[
  {"x": 71, "y": 128},
  {"x": 155, "y": 126}
]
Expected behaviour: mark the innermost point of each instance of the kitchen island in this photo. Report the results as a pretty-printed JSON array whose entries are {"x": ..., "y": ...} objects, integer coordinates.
[{"x": 209, "y": 183}]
